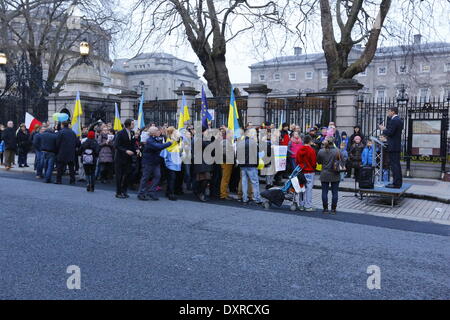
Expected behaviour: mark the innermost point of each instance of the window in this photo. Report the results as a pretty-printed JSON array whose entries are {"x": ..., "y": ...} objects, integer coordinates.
[
  {"x": 424, "y": 94},
  {"x": 447, "y": 67},
  {"x": 276, "y": 77},
  {"x": 381, "y": 95},
  {"x": 309, "y": 75},
  {"x": 324, "y": 74},
  {"x": 425, "y": 68},
  {"x": 262, "y": 77},
  {"x": 292, "y": 76},
  {"x": 382, "y": 71},
  {"x": 402, "y": 69}
]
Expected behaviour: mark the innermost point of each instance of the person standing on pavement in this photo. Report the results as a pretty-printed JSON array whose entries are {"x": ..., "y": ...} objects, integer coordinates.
[
  {"x": 106, "y": 157},
  {"x": 24, "y": 144},
  {"x": 38, "y": 152},
  {"x": 306, "y": 159},
  {"x": 328, "y": 176},
  {"x": 247, "y": 158},
  {"x": 66, "y": 144},
  {"x": 151, "y": 165},
  {"x": 10, "y": 140},
  {"x": 393, "y": 132},
  {"x": 89, "y": 151},
  {"x": 49, "y": 149},
  {"x": 125, "y": 149}
]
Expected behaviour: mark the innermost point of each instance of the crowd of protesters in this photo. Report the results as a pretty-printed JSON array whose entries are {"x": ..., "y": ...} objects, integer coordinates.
[{"x": 148, "y": 160}]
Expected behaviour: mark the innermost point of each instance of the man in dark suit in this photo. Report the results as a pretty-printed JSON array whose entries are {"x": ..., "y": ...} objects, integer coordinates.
[
  {"x": 66, "y": 144},
  {"x": 393, "y": 132},
  {"x": 125, "y": 148}
]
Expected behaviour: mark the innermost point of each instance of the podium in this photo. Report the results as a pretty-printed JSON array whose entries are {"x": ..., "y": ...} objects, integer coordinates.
[{"x": 377, "y": 160}]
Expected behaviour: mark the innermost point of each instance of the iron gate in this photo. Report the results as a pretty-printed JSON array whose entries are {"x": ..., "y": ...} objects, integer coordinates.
[
  {"x": 433, "y": 114},
  {"x": 304, "y": 111}
]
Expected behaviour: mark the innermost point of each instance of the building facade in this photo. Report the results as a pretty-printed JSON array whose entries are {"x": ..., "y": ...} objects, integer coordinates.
[
  {"x": 159, "y": 73},
  {"x": 423, "y": 69}
]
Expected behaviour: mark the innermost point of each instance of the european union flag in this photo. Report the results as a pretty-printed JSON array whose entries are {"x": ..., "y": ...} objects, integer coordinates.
[{"x": 206, "y": 116}]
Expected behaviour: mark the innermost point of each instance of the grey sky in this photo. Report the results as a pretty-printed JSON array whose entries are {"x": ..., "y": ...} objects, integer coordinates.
[{"x": 241, "y": 52}]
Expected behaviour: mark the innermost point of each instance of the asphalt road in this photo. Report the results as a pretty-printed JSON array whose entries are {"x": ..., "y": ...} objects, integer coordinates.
[{"x": 128, "y": 249}]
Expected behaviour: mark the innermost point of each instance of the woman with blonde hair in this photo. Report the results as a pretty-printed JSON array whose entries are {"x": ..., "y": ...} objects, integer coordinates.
[{"x": 172, "y": 160}]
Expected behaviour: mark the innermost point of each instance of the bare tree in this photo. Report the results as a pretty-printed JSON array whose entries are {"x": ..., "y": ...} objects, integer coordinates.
[
  {"x": 208, "y": 26},
  {"x": 47, "y": 34}
]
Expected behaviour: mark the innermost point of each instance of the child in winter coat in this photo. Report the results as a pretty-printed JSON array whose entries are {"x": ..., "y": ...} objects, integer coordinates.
[
  {"x": 355, "y": 155},
  {"x": 293, "y": 146},
  {"x": 367, "y": 154},
  {"x": 344, "y": 156}
]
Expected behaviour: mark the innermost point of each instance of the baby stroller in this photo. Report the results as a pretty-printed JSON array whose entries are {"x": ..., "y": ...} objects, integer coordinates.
[{"x": 277, "y": 196}]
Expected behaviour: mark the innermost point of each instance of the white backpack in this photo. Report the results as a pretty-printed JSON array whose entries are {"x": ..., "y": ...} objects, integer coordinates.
[{"x": 88, "y": 156}]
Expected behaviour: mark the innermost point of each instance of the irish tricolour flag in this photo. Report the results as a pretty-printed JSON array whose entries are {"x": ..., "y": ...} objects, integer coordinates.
[{"x": 31, "y": 123}]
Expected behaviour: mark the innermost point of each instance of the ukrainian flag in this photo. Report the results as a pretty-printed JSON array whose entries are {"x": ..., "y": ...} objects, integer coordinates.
[
  {"x": 141, "y": 123},
  {"x": 117, "y": 122},
  {"x": 77, "y": 112},
  {"x": 184, "y": 113},
  {"x": 233, "y": 116}
]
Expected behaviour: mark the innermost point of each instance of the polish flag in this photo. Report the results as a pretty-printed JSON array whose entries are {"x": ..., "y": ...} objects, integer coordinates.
[{"x": 31, "y": 122}]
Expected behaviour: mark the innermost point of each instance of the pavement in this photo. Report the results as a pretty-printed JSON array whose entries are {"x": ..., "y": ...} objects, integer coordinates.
[
  {"x": 130, "y": 249},
  {"x": 427, "y": 200}
]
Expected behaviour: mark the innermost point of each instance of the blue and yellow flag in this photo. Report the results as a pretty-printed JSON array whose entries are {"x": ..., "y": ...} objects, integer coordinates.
[
  {"x": 233, "y": 116},
  {"x": 117, "y": 122},
  {"x": 141, "y": 122},
  {"x": 206, "y": 116},
  {"x": 77, "y": 112},
  {"x": 184, "y": 113}
]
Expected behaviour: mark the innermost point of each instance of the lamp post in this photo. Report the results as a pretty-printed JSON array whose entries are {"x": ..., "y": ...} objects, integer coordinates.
[
  {"x": 3, "y": 62},
  {"x": 402, "y": 97},
  {"x": 84, "y": 54}
]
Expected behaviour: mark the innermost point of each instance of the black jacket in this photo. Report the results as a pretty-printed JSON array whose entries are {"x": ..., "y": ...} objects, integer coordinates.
[
  {"x": 152, "y": 151},
  {"x": 93, "y": 145},
  {"x": 66, "y": 143},
  {"x": 37, "y": 141},
  {"x": 393, "y": 132},
  {"x": 10, "y": 139},
  {"x": 122, "y": 143},
  {"x": 48, "y": 141},
  {"x": 247, "y": 153},
  {"x": 23, "y": 141}
]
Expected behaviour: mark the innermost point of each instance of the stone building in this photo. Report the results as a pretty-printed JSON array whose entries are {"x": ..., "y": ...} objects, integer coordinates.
[
  {"x": 160, "y": 73},
  {"x": 422, "y": 68}
]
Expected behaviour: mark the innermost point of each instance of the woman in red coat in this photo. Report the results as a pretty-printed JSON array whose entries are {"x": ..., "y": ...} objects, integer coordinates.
[{"x": 306, "y": 159}]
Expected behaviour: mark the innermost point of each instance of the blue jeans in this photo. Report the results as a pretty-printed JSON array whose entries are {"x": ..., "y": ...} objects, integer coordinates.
[
  {"x": 153, "y": 171},
  {"x": 49, "y": 163},
  {"x": 250, "y": 173},
  {"x": 334, "y": 193},
  {"x": 39, "y": 163},
  {"x": 306, "y": 202}
]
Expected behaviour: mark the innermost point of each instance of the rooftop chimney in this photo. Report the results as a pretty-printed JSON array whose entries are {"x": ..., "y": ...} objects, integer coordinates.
[
  {"x": 297, "y": 51},
  {"x": 417, "y": 38}
]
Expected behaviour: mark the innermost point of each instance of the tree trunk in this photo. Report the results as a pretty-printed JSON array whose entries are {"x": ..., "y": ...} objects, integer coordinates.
[{"x": 216, "y": 74}]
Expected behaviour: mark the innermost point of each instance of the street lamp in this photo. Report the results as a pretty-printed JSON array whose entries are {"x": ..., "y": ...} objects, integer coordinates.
[
  {"x": 84, "y": 48},
  {"x": 84, "y": 54},
  {"x": 3, "y": 59}
]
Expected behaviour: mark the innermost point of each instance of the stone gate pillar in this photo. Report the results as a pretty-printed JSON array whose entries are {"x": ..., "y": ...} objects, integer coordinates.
[
  {"x": 190, "y": 93},
  {"x": 128, "y": 100},
  {"x": 346, "y": 104},
  {"x": 257, "y": 96}
]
